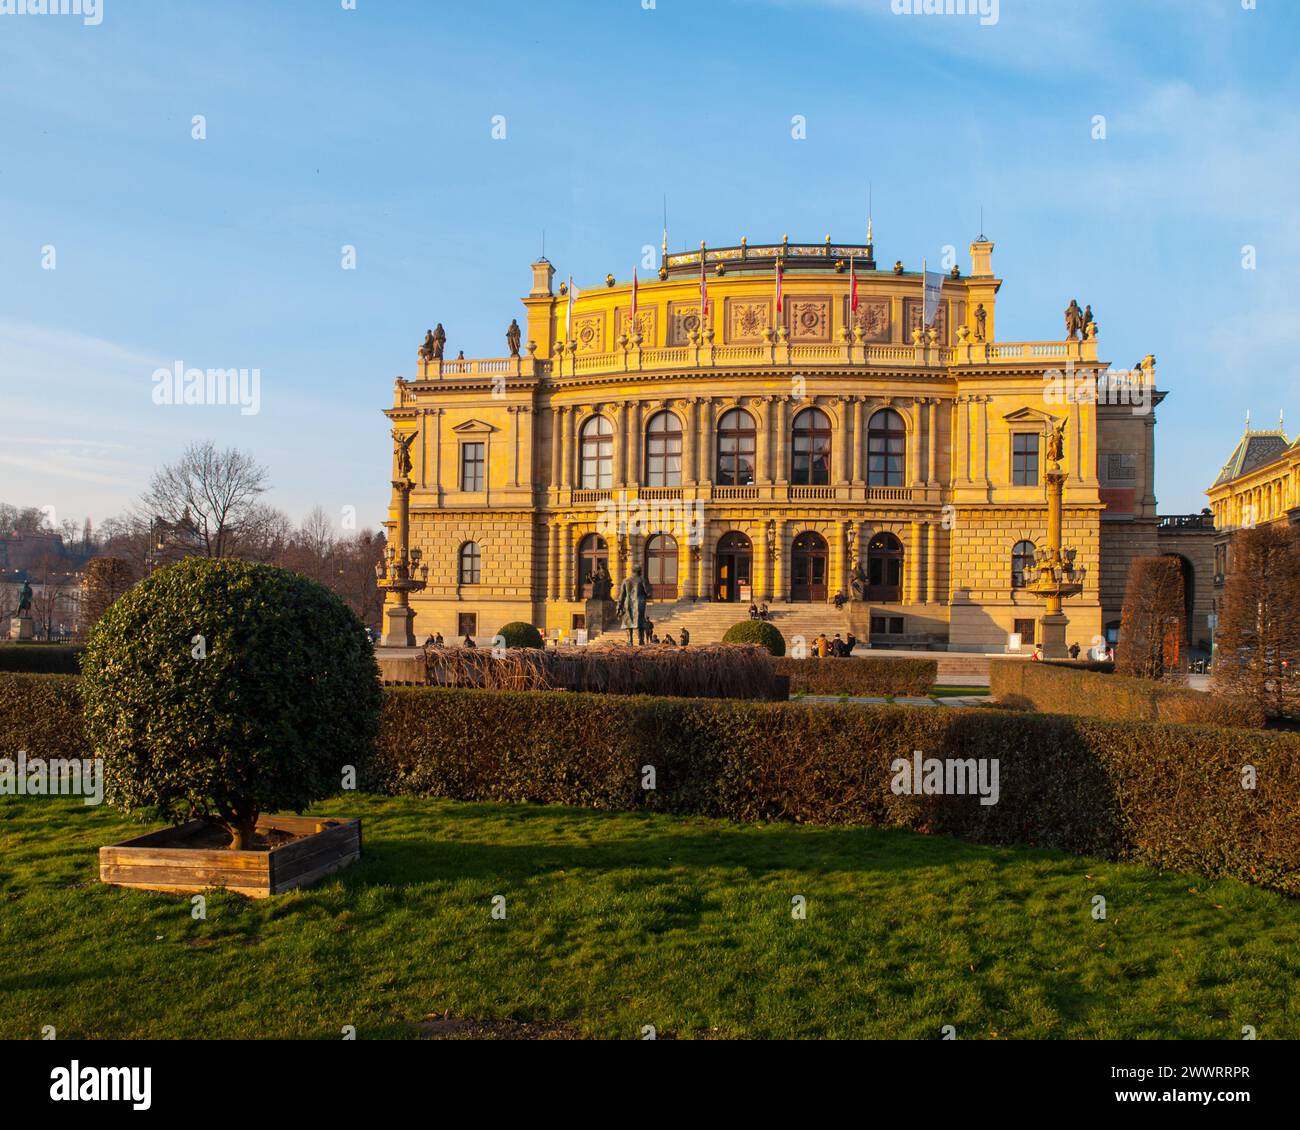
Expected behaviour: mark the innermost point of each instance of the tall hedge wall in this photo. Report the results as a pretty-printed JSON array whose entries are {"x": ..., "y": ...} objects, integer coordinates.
[
  {"x": 1170, "y": 797},
  {"x": 41, "y": 658},
  {"x": 1056, "y": 688},
  {"x": 867, "y": 675}
]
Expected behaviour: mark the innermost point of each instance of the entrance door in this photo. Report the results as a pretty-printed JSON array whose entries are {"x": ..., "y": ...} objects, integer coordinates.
[
  {"x": 808, "y": 568},
  {"x": 661, "y": 567},
  {"x": 885, "y": 569},
  {"x": 733, "y": 569}
]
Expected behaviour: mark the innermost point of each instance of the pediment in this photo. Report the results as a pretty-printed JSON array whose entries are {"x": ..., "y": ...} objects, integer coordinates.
[
  {"x": 1031, "y": 416},
  {"x": 474, "y": 427}
]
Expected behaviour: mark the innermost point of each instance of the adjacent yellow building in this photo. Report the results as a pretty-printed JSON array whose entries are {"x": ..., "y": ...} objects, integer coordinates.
[{"x": 740, "y": 452}]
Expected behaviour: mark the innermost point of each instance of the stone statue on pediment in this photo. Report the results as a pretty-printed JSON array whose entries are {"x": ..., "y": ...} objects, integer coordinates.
[
  {"x": 513, "y": 334},
  {"x": 981, "y": 319}
]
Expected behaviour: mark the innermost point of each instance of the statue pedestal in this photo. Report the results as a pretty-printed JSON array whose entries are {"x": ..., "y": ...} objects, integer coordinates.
[
  {"x": 1051, "y": 631},
  {"x": 400, "y": 626},
  {"x": 22, "y": 628},
  {"x": 601, "y": 617}
]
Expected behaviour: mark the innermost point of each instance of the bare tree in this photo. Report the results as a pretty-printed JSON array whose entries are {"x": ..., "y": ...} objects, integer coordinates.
[
  {"x": 1257, "y": 642},
  {"x": 216, "y": 492},
  {"x": 104, "y": 580},
  {"x": 1152, "y": 624},
  {"x": 53, "y": 603}
]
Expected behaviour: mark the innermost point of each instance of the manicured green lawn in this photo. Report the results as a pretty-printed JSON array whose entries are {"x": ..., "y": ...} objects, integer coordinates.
[
  {"x": 619, "y": 921},
  {"x": 957, "y": 692}
]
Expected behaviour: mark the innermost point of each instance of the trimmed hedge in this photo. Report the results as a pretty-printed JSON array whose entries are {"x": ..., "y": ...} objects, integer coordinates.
[
  {"x": 41, "y": 658},
  {"x": 868, "y": 675},
  {"x": 1055, "y": 688},
  {"x": 1169, "y": 797},
  {"x": 759, "y": 632}
]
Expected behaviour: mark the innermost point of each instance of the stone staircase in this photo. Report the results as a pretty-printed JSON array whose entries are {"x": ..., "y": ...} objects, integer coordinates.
[{"x": 708, "y": 621}]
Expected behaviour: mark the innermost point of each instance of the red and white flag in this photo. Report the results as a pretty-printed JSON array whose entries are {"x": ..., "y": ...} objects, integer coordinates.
[
  {"x": 568, "y": 313},
  {"x": 704, "y": 292},
  {"x": 780, "y": 273},
  {"x": 853, "y": 284}
]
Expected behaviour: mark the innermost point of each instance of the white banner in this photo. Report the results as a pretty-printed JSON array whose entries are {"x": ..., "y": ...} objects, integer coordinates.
[{"x": 933, "y": 289}]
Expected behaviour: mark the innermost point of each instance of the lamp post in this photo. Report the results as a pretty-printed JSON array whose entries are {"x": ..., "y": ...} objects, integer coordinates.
[
  {"x": 400, "y": 573},
  {"x": 1055, "y": 575}
]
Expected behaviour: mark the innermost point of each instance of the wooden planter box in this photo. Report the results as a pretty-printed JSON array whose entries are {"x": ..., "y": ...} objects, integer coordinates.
[{"x": 179, "y": 859}]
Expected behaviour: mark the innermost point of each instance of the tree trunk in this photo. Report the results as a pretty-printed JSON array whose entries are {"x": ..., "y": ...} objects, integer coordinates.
[{"x": 241, "y": 828}]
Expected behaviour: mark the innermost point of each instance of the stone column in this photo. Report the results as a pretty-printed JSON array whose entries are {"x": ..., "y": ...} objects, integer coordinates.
[
  {"x": 961, "y": 438},
  {"x": 846, "y": 562},
  {"x": 981, "y": 455},
  {"x": 779, "y": 565},
  {"x": 620, "y": 447},
  {"x": 781, "y": 438},
  {"x": 846, "y": 439},
  {"x": 932, "y": 563},
  {"x": 689, "y": 440},
  {"x": 635, "y": 447},
  {"x": 553, "y": 561},
  {"x": 557, "y": 446},
  {"x": 526, "y": 418},
  {"x": 933, "y": 445},
  {"x": 859, "y": 440},
  {"x": 913, "y": 594},
  {"x": 914, "y": 447},
  {"x": 763, "y": 441},
  {"x": 567, "y": 587}
]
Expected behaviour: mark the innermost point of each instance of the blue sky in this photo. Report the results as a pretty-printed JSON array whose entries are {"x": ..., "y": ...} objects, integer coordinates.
[{"x": 372, "y": 128}]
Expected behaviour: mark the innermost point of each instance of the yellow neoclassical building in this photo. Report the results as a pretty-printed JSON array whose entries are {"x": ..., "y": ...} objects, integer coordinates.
[
  {"x": 1259, "y": 485},
  {"x": 774, "y": 424}
]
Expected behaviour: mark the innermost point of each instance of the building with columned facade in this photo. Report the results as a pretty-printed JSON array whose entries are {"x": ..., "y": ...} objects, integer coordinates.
[{"x": 742, "y": 453}]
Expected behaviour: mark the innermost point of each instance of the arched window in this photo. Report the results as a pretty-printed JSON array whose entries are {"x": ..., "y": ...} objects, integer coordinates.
[
  {"x": 886, "y": 449},
  {"x": 592, "y": 553},
  {"x": 597, "y": 447},
  {"x": 885, "y": 568},
  {"x": 737, "y": 437},
  {"x": 1022, "y": 563},
  {"x": 663, "y": 451},
  {"x": 661, "y": 567},
  {"x": 470, "y": 563},
  {"x": 812, "y": 448}
]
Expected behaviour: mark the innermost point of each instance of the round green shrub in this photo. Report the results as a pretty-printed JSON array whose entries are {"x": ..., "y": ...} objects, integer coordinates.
[
  {"x": 756, "y": 631},
  {"x": 519, "y": 634},
  {"x": 220, "y": 690}
]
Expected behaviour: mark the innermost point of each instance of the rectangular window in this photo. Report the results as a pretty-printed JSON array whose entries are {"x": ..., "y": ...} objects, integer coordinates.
[
  {"x": 895, "y": 625},
  {"x": 471, "y": 466},
  {"x": 1025, "y": 630},
  {"x": 467, "y": 624},
  {"x": 1024, "y": 459},
  {"x": 887, "y": 625},
  {"x": 578, "y": 621},
  {"x": 1121, "y": 468}
]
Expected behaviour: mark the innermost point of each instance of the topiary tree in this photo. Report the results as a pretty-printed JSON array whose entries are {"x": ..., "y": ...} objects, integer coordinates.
[
  {"x": 519, "y": 634},
  {"x": 756, "y": 631},
  {"x": 1152, "y": 623},
  {"x": 221, "y": 690},
  {"x": 1257, "y": 641}
]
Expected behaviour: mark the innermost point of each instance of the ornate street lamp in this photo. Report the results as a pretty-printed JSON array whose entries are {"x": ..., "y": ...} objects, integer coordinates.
[
  {"x": 1055, "y": 575},
  {"x": 397, "y": 576}
]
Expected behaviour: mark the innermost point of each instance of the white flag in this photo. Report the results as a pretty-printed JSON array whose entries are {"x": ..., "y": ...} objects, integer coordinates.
[{"x": 933, "y": 289}]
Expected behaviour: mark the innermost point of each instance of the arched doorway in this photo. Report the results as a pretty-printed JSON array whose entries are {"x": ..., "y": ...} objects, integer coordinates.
[
  {"x": 808, "y": 567},
  {"x": 661, "y": 567},
  {"x": 733, "y": 566},
  {"x": 592, "y": 553},
  {"x": 885, "y": 568}
]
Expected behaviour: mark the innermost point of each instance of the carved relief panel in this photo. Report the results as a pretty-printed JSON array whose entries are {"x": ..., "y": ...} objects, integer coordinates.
[
  {"x": 683, "y": 319},
  {"x": 912, "y": 320},
  {"x": 808, "y": 320},
  {"x": 746, "y": 319},
  {"x": 589, "y": 333},
  {"x": 872, "y": 316},
  {"x": 647, "y": 321}
]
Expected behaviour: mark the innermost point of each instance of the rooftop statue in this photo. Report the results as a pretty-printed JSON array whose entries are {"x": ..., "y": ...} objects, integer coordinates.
[
  {"x": 512, "y": 337},
  {"x": 1073, "y": 320}
]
